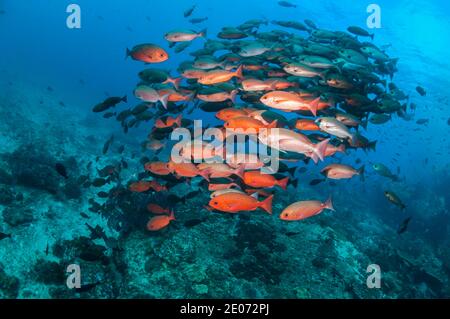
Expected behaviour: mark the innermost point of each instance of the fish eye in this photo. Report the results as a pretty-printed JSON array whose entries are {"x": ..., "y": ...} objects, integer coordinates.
[
  {"x": 286, "y": 215},
  {"x": 216, "y": 203}
]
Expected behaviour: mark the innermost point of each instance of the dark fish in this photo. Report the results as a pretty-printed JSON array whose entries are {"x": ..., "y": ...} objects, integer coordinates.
[
  {"x": 198, "y": 20},
  {"x": 189, "y": 11},
  {"x": 49, "y": 88},
  {"x": 61, "y": 169},
  {"x": 422, "y": 121},
  {"x": 287, "y": 4},
  {"x": 107, "y": 144},
  {"x": 99, "y": 182},
  {"x": 109, "y": 115},
  {"x": 360, "y": 31},
  {"x": 103, "y": 194},
  {"x": 404, "y": 226},
  {"x": 292, "y": 233},
  {"x": 421, "y": 91},
  {"x": 4, "y": 236},
  {"x": 47, "y": 249},
  {"x": 394, "y": 199},
  {"x": 61, "y": 103},
  {"x": 87, "y": 287},
  {"x": 120, "y": 149},
  {"x": 310, "y": 24},
  {"x": 108, "y": 103},
  {"x": 193, "y": 222},
  {"x": 316, "y": 182},
  {"x": 96, "y": 232},
  {"x": 84, "y": 215}
]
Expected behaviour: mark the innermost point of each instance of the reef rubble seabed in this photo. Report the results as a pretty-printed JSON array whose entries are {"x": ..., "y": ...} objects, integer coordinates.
[{"x": 229, "y": 256}]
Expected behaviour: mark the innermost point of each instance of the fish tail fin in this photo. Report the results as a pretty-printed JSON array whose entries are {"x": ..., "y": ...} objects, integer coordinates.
[
  {"x": 314, "y": 105},
  {"x": 329, "y": 204},
  {"x": 267, "y": 204},
  {"x": 239, "y": 73},
  {"x": 164, "y": 100},
  {"x": 203, "y": 33},
  {"x": 292, "y": 170},
  {"x": 295, "y": 183},
  {"x": 172, "y": 214},
  {"x": 125, "y": 99},
  {"x": 240, "y": 172},
  {"x": 372, "y": 36},
  {"x": 176, "y": 82},
  {"x": 319, "y": 150},
  {"x": 205, "y": 174},
  {"x": 273, "y": 124},
  {"x": 127, "y": 54},
  {"x": 283, "y": 183},
  {"x": 364, "y": 123},
  {"x": 178, "y": 120},
  {"x": 341, "y": 148},
  {"x": 233, "y": 95},
  {"x": 372, "y": 146},
  {"x": 361, "y": 172}
]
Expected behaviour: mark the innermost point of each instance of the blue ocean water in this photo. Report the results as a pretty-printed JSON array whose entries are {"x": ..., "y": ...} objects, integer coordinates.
[{"x": 52, "y": 76}]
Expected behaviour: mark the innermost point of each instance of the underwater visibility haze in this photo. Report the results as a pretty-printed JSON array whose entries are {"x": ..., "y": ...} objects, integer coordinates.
[{"x": 224, "y": 149}]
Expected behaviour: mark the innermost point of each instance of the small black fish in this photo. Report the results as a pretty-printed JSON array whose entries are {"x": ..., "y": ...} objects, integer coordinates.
[
  {"x": 403, "y": 226},
  {"x": 109, "y": 115},
  {"x": 315, "y": 182},
  {"x": 108, "y": 103},
  {"x": 193, "y": 222},
  {"x": 107, "y": 144},
  {"x": 87, "y": 287},
  {"x": 287, "y": 4},
  {"x": 292, "y": 233},
  {"x": 103, "y": 194},
  {"x": 47, "y": 249},
  {"x": 422, "y": 121},
  {"x": 198, "y": 20},
  {"x": 61, "y": 169},
  {"x": 84, "y": 215},
  {"x": 421, "y": 91},
  {"x": 120, "y": 149},
  {"x": 49, "y": 88},
  {"x": 99, "y": 182},
  {"x": 96, "y": 232},
  {"x": 4, "y": 236},
  {"x": 189, "y": 11}
]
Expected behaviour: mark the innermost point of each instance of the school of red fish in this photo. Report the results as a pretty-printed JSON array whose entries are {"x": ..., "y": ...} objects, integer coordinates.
[{"x": 318, "y": 88}]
